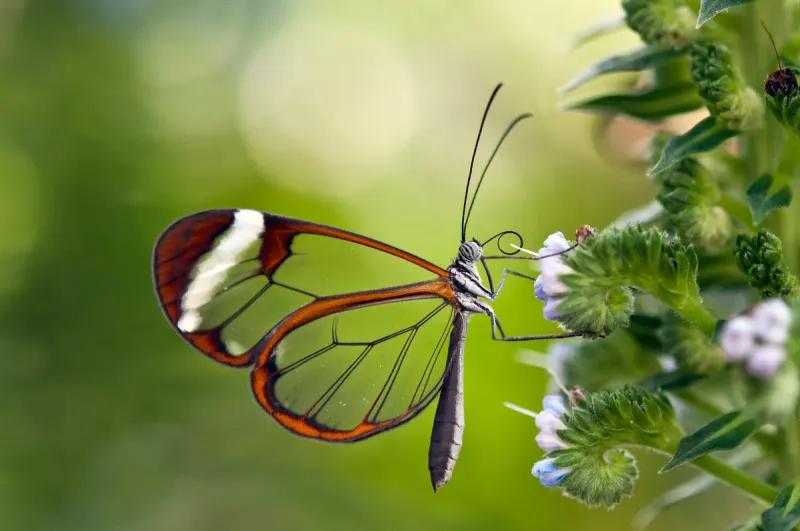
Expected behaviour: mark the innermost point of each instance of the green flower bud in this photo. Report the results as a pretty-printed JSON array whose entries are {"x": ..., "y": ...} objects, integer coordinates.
[
  {"x": 690, "y": 199},
  {"x": 663, "y": 22},
  {"x": 691, "y": 348},
  {"x": 783, "y": 97},
  {"x": 600, "y": 472},
  {"x": 596, "y": 308},
  {"x": 760, "y": 257},
  {"x": 721, "y": 85},
  {"x": 605, "y": 267}
]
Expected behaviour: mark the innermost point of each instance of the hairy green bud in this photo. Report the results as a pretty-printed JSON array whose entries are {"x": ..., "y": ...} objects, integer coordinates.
[
  {"x": 600, "y": 472},
  {"x": 760, "y": 257},
  {"x": 647, "y": 259},
  {"x": 720, "y": 83},
  {"x": 690, "y": 198},
  {"x": 663, "y": 22}
]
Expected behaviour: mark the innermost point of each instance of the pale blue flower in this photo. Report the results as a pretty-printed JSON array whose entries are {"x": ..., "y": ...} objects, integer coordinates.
[
  {"x": 548, "y": 473},
  {"x": 765, "y": 360},
  {"x": 549, "y": 422},
  {"x": 758, "y": 338},
  {"x": 771, "y": 320},
  {"x": 737, "y": 338},
  {"x": 550, "y": 311},
  {"x": 555, "y": 403},
  {"x": 548, "y": 286}
]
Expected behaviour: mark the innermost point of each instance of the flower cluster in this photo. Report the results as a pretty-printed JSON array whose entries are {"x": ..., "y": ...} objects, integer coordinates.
[
  {"x": 548, "y": 286},
  {"x": 758, "y": 338},
  {"x": 582, "y": 442},
  {"x": 549, "y": 423}
]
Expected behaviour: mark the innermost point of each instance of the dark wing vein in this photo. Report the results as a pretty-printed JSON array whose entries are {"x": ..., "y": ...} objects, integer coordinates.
[{"x": 429, "y": 367}]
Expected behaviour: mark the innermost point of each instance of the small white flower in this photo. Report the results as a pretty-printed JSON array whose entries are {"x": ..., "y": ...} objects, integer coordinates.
[
  {"x": 549, "y": 422},
  {"x": 551, "y": 312},
  {"x": 548, "y": 286},
  {"x": 555, "y": 243},
  {"x": 668, "y": 363},
  {"x": 554, "y": 266},
  {"x": 765, "y": 360},
  {"x": 548, "y": 473},
  {"x": 772, "y": 319},
  {"x": 737, "y": 338},
  {"x": 555, "y": 403},
  {"x": 549, "y": 441}
]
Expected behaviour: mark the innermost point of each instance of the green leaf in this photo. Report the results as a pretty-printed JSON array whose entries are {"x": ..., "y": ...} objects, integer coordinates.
[
  {"x": 641, "y": 59},
  {"x": 785, "y": 514},
  {"x": 704, "y": 136},
  {"x": 764, "y": 196},
  {"x": 653, "y": 104},
  {"x": 598, "y": 29},
  {"x": 711, "y": 8},
  {"x": 725, "y": 432}
]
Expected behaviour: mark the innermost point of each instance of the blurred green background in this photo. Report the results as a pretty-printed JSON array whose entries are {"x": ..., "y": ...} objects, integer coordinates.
[{"x": 120, "y": 115}]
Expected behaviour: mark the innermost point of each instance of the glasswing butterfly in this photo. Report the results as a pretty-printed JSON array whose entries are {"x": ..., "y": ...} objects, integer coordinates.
[{"x": 218, "y": 272}]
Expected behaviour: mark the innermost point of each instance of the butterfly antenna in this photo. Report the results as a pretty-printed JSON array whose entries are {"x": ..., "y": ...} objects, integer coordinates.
[
  {"x": 511, "y": 126},
  {"x": 775, "y": 48},
  {"x": 472, "y": 163}
]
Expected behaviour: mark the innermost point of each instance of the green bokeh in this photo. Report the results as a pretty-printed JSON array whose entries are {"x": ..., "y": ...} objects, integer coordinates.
[{"x": 119, "y": 116}]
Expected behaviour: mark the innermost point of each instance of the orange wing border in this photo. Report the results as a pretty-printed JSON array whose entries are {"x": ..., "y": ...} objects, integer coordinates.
[{"x": 265, "y": 372}]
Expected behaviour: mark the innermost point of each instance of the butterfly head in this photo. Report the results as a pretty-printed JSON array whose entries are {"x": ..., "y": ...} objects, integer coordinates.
[{"x": 470, "y": 251}]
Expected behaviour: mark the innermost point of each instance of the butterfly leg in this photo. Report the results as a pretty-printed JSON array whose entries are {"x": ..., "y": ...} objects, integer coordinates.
[
  {"x": 499, "y": 335},
  {"x": 506, "y": 271}
]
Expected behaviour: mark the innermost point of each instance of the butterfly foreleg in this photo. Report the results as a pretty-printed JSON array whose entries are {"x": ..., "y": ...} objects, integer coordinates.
[
  {"x": 499, "y": 335},
  {"x": 506, "y": 272}
]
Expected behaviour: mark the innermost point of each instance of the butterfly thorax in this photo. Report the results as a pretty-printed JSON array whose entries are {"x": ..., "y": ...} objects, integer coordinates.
[{"x": 466, "y": 279}]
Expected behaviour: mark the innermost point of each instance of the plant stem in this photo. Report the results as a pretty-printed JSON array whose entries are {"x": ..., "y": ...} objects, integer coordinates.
[
  {"x": 788, "y": 173},
  {"x": 789, "y": 452},
  {"x": 694, "y": 312},
  {"x": 737, "y": 208},
  {"x": 756, "y": 489}
]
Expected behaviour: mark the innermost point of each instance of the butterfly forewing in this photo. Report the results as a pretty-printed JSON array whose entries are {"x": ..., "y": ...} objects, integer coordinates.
[{"x": 327, "y": 266}]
